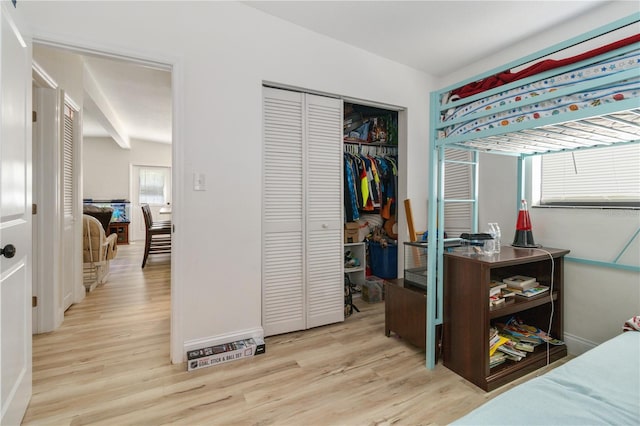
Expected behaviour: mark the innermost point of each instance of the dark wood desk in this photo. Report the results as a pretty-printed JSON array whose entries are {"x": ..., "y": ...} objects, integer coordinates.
[{"x": 405, "y": 312}]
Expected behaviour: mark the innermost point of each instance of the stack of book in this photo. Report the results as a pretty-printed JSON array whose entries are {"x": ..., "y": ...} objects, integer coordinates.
[
  {"x": 524, "y": 286},
  {"x": 499, "y": 295},
  {"x": 516, "y": 348},
  {"x": 514, "y": 340},
  {"x": 495, "y": 341},
  {"x": 505, "y": 346}
]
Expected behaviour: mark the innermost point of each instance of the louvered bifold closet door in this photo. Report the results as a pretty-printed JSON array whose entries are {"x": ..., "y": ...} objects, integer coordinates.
[
  {"x": 283, "y": 298},
  {"x": 324, "y": 260}
]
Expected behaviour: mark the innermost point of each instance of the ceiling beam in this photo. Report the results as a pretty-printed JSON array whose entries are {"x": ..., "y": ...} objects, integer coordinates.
[{"x": 98, "y": 105}]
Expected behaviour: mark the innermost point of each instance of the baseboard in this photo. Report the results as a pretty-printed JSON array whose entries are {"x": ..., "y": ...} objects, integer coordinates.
[
  {"x": 577, "y": 345},
  {"x": 189, "y": 345}
]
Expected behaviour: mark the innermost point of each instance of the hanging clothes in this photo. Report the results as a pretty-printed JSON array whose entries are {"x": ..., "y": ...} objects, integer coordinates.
[
  {"x": 350, "y": 196},
  {"x": 370, "y": 182}
]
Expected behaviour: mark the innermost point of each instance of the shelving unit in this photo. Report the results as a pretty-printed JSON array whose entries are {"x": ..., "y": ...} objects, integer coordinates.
[
  {"x": 467, "y": 316},
  {"x": 121, "y": 229},
  {"x": 357, "y": 274}
]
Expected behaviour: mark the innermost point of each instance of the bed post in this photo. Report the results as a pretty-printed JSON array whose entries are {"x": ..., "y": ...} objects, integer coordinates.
[
  {"x": 433, "y": 185},
  {"x": 521, "y": 181}
]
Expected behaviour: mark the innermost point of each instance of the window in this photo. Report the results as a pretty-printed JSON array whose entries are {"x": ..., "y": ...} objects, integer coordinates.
[
  {"x": 154, "y": 185},
  {"x": 608, "y": 176},
  {"x": 458, "y": 184}
]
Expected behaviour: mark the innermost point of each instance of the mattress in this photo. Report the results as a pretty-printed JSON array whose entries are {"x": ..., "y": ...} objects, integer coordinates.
[
  {"x": 476, "y": 115},
  {"x": 599, "y": 387}
]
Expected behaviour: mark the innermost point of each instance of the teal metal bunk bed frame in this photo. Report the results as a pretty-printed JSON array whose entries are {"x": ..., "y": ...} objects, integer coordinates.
[{"x": 565, "y": 131}]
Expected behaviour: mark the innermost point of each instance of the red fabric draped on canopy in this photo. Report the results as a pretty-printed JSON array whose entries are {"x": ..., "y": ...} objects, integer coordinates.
[{"x": 545, "y": 65}]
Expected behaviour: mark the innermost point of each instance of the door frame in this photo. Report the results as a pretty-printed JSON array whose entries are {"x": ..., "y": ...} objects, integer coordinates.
[{"x": 176, "y": 66}]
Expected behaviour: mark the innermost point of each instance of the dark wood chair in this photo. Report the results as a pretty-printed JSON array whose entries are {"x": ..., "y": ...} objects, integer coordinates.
[{"x": 158, "y": 235}]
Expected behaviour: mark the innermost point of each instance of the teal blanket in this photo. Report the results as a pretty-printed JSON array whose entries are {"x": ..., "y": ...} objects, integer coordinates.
[{"x": 599, "y": 387}]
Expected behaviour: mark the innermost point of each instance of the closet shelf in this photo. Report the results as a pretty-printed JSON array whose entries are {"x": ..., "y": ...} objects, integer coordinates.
[{"x": 365, "y": 143}]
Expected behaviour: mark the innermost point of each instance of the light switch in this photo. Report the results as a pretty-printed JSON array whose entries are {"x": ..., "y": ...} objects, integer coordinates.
[{"x": 199, "y": 182}]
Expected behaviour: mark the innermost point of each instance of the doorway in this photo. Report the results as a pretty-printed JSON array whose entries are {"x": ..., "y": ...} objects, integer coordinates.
[{"x": 108, "y": 144}]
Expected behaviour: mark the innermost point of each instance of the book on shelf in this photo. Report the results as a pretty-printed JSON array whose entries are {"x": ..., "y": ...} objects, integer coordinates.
[
  {"x": 526, "y": 333},
  {"x": 512, "y": 354},
  {"x": 523, "y": 343},
  {"x": 495, "y": 301},
  {"x": 507, "y": 292},
  {"x": 493, "y": 335},
  {"x": 499, "y": 295},
  {"x": 497, "y": 359},
  {"x": 512, "y": 351},
  {"x": 501, "y": 341},
  {"x": 495, "y": 287},
  {"x": 534, "y": 291},
  {"x": 500, "y": 302},
  {"x": 521, "y": 282},
  {"x": 525, "y": 346}
]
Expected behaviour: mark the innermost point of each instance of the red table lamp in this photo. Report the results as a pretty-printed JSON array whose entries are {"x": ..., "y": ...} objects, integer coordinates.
[{"x": 524, "y": 236}]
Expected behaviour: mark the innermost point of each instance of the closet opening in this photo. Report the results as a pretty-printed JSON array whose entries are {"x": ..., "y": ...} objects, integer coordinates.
[
  {"x": 329, "y": 206},
  {"x": 370, "y": 144}
]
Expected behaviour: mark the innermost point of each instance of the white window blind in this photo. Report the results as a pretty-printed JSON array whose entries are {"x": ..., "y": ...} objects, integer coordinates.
[
  {"x": 458, "y": 184},
  {"x": 154, "y": 184},
  {"x": 67, "y": 162},
  {"x": 601, "y": 176}
]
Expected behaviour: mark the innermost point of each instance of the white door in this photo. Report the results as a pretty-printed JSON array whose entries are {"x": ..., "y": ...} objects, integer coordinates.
[
  {"x": 15, "y": 221},
  {"x": 323, "y": 173},
  {"x": 48, "y": 249},
  {"x": 302, "y": 264},
  {"x": 283, "y": 297}
]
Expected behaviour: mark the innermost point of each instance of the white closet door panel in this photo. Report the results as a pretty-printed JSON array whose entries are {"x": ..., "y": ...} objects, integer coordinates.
[
  {"x": 325, "y": 280},
  {"x": 324, "y": 257},
  {"x": 324, "y": 167},
  {"x": 283, "y": 296},
  {"x": 282, "y": 283},
  {"x": 283, "y": 174}
]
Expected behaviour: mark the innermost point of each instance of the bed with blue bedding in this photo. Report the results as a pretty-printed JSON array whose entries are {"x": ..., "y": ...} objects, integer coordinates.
[{"x": 599, "y": 387}]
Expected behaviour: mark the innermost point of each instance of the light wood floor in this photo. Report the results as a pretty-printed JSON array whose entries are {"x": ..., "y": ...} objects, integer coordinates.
[{"x": 109, "y": 364}]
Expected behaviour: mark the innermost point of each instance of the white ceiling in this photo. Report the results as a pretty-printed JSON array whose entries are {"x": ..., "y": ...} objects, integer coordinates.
[
  {"x": 421, "y": 34},
  {"x": 426, "y": 34},
  {"x": 138, "y": 97}
]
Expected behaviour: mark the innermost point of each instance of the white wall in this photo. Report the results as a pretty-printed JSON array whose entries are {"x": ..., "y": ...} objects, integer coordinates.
[
  {"x": 107, "y": 166},
  {"x": 224, "y": 52},
  {"x": 65, "y": 68},
  {"x": 597, "y": 300}
]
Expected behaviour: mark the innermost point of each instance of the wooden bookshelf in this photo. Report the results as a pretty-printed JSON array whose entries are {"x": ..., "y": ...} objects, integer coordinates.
[{"x": 467, "y": 316}]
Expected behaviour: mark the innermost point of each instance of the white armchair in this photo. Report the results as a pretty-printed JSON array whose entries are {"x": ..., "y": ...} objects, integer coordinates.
[{"x": 98, "y": 250}]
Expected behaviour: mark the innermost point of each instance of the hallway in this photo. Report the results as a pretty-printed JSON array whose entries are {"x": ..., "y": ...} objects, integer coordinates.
[{"x": 104, "y": 341}]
